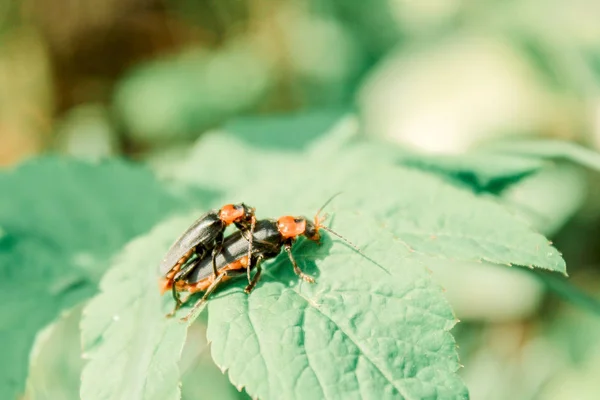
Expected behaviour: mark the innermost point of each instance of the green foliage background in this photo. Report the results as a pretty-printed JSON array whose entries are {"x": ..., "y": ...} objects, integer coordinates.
[
  {"x": 463, "y": 137},
  {"x": 410, "y": 218}
]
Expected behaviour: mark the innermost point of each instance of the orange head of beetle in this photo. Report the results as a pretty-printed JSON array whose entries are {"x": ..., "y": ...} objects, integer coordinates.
[
  {"x": 236, "y": 214},
  {"x": 292, "y": 227}
]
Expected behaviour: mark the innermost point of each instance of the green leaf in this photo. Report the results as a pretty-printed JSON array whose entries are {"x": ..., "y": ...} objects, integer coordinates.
[
  {"x": 549, "y": 198},
  {"x": 158, "y": 101},
  {"x": 291, "y": 339},
  {"x": 576, "y": 360},
  {"x": 570, "y": 292},
  {"x": 130, "y": 343},
  {"x": 61, "y": 220},
  {"x": 31, "y": 295},
  {"x": 55, "y": 361},
  {"x": 483, "y": 171},
  {"x": 133, "y": 349},
  {"x": 207, "y": 156},
  {"x": 553, "y": 149},
  {"x": 83, "y": 207},
  {"x": 301, "y": 130},
  {"x": 429, "y": 215},
  {"x": 360, "y": 332},
  {"x": 434, "y": 221},
  {"x": 203, "y": 166},
  {"x": 434, "y": 218},
  {"x": 200, "y": 377}
]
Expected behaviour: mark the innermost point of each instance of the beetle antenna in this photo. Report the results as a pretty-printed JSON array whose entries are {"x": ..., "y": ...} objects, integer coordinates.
[
  {"x": 325, "y": 205},
  {"x": 355, "y": 247},
  {"x": 319, "y": 225},
  {"x": 348, "y": 242}
]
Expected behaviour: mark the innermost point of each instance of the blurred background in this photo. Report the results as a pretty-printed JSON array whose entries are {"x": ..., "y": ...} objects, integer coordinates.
[{"x": 142, "y": 78}]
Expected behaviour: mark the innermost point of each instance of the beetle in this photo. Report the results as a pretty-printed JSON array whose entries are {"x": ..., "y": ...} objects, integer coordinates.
[
  {"x": 232, "y": 261},
  {"x": 268, "y": 239},
  {"x": 204, "y": 236}
]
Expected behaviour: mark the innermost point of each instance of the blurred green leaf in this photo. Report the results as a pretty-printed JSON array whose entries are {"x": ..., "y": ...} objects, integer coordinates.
[
  {"x": 133, "y": 349},
  {"x": 200, "y": 377},
  {"x": 552, "y": 149},
  {"x": 285, "y": 132},
  {"x": 36, "y": 283},
  {"x": 569, "y": 292},
  {"x": 483, "y": 171},
  {"x": 62, "y": 220},
  {"x": 203, "y": 165},
  {"x": 55, "y": 362},
  {"x": 260, "y": 153},
  {"x": 86, "y": 132},
  {"x": 574, "y": 333},
  {"x": 80, "y": 207},
  {"x": 175, "y": 98},
  {"x": 581, "y": 382},
  {"x": 550, "y": 197}
]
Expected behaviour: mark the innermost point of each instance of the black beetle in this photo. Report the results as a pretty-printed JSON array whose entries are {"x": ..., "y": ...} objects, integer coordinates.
[{"x": 204, "y": 236}]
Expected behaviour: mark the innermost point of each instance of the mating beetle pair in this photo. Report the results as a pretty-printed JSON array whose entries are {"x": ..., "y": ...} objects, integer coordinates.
[{"x": 217, "y": 260}]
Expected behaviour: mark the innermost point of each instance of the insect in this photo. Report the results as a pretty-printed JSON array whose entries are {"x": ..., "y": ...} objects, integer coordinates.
[
  {"x": 204, "y": 236},
  {"x": 268, "y": 239},
  {"x": 232, "y": 261}
]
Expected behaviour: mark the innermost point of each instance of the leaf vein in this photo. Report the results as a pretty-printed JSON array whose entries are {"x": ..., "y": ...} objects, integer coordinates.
[
  {"x": 306, "y": 353},
  {"x": 355, "y": 342}
]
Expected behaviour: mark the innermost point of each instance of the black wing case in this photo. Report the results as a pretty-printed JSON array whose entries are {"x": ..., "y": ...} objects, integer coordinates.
[
  {"x": 266, "y": 242},
  {"x": 203, "y": 231}
]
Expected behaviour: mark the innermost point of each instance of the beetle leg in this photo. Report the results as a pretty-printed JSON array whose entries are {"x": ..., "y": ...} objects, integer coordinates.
[
  {"x": 176, "y": 273},
  {"x": 250, "y": 240},
  {"x": 178, "y": 305},
  {"x": 181, "y": 274},
  {"x": 208, "y": 292},
  {"x": 252, "y": 284},
  {"x": 297, "y": 270},
  {"x": 186, "y": 269},
  {"x": 177, "y": 299}
]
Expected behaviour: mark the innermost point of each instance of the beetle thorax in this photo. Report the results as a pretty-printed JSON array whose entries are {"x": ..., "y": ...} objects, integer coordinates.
[
  {"x": 291, "y": 227},
  {"x": 231, "y": 213}
]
